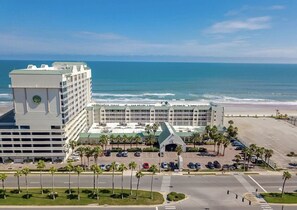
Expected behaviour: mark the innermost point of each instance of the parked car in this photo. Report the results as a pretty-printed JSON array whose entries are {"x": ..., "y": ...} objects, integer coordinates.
[
  {"x": 210, "y": 165},
  {"x": 239, "y": 147},
  {"x": 197, "y": 166},
  {"x": 137, "y": 154},
  {"x": 103, "y": 167},
  {"x": 191, "y": 165},
  {"x": 216, "y": 164},
  {"x": 74, "y": 158},
  {"x": 225, "y": 167},
  {"x": 107, "y": 167},
  {"x": 107, "y": 153},
  {"x": 164, "y": 165},
  {"x": 125, "y": 154},
  {"x": 119, "y": 154},
  {"x": 172, "y": 165},
  {"x": 146, "y": 166},
  {"x": 202, "y": 149}
]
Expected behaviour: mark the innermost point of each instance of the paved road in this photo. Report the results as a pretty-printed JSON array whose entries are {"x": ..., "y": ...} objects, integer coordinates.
[{"x": 204, "y": 192}]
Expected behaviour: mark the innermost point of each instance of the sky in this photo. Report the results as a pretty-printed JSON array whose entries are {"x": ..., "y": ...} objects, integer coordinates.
[{"x": 150, "y": 30}]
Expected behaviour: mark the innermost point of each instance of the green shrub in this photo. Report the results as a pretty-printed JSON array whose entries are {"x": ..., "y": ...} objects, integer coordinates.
[
  {"x": 27, "y": 196},
  {"x": 192, "y": 149},
  {"x": 174, "y": 196},
  {"x": 149, "y": 149},
  {"x": 135, "y": 149},
  {"x": 116, "y": 149}
]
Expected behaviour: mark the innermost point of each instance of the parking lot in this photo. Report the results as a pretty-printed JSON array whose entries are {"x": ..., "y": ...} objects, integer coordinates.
[
  {"x": 278, "y": 135},
  {"x": 148, "y": 157}
]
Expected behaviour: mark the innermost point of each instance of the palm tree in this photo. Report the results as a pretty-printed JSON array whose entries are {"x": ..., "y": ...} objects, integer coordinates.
[
  {"x": 111, "y": 139},
  {"x": 122, "y": 168},
  {"x": 154, "y": 128},
  {"x": 179, "y": 149},
  {"x": 118, "y": 140},
  {"x": 113, "y": 167},
  {"x": 237, "y": 158},
  {"x": 26, "y": 171},
  {"x": 53, "y": 170},
  {"x": 94, "y": 168},
  {"x": 130, "y": 140},
  {"x": 226, "y": 143},
  {"x": 88, "y": 153},
  {"x": 150, "y": 140},
  {"x": 81, "y": 153},
  {"x": 259, "y": 152},
  {"x": 69, "y": 168},
  {"x": 245, "y": 152},
  {"x": 17, "y": 174},
  {"x": 268, "y": 154},
  {"x": 230, "y": 122},
  {"x": 103, "y": 140},
  {"x": 220, "y": 140},
  {"x": 148, "y": 129},
  {"x": 78, "y": 170},
  {"x": 124, "y": 140},
  {"x": 286, "y": 176},
  {"x": 153, "y": 169},
  {"x": 3, "y": 177},
  {"x": 132, "y": 167},
  {"x": 137, "y": 140},
  {"x": 215, "y": 139},
  {"x": 196, "y": 137},
  {"x": 97, "y": 151},
  {"x": 41, "y": 166},
  {"x": 98, "y": 171},
  {"x": 138, "y": 175},
  {"x": 72, "y": 144}
]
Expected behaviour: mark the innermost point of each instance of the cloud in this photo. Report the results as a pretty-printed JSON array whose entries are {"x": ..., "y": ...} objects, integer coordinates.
[
  {"x": 276, "y": 7},
  {"x": 247, "y": 8},
  {"x": 101, "y": 36},
  {"x": 231, "y": 26},
  {"x": 21, "y": 44}
]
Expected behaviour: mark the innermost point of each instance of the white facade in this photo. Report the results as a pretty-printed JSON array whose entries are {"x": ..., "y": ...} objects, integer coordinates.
[
  {"x": 49, "y": 110},
  {"x": 176, "y": 115}
]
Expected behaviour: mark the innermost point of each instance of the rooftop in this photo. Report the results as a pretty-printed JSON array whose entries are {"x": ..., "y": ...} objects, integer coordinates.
[{"x": 56, "y": 68}]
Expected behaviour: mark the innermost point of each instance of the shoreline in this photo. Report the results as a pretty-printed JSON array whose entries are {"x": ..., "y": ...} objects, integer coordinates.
[{"x": 231, "y": 109}]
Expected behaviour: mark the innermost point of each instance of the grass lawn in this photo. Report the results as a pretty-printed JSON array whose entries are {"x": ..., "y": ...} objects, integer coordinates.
[
  {"x": 276, "y": 197},
  {"x": 105, "y": 197}
]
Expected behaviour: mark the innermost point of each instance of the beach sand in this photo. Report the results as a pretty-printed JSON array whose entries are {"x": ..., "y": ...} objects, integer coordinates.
[{"x": 259, "y": 109}]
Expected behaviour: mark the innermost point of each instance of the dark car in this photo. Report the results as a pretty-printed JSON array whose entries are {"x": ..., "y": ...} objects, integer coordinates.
[
  {"x": 210, "y": 165},
  {"x": 202, "y": 149},
  {"x": 107, "y": 153},
  {"x": 137, "y": 154},
  {"x": 172, "y": 165},
  {"x": 191, "y": 165},
  {"x": 225, "y": 167},
  {"x": 197, "y": 166},
  {"x": 216, "y": 164},
  {"x": 119, "y": 154},
  {"x": 239, "y": 147}
]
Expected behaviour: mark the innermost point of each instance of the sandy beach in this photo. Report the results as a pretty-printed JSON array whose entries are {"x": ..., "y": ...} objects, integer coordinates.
[{"x": 259, "y": 109}]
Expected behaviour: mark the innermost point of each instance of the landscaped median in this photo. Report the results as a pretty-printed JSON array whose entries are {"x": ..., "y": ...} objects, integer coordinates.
[
  {"x": 288, "y": 198},
  {"x": 86, "y": 197}
]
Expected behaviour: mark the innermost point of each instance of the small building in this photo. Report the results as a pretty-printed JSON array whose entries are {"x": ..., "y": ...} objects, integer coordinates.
[{"x": 169, "y": 139}]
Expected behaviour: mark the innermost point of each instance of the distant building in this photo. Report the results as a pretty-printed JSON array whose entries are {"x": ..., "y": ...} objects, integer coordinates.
[
  {"x": 176, "y": 115},
  {"x": 49, "y": 111}
]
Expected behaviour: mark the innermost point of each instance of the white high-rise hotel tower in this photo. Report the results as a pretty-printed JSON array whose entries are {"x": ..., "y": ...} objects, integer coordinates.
[{"x": 49, "y": 111}]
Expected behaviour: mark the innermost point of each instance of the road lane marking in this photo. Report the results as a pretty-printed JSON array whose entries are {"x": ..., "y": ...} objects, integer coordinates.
[
  {"x": 68, "y": 182},
  {"x": 257, "y": 183},
  {"x": 170, "y": 207}
]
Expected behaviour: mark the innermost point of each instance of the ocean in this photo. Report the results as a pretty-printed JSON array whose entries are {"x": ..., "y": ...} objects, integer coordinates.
[{"x": 200, "y": 82}]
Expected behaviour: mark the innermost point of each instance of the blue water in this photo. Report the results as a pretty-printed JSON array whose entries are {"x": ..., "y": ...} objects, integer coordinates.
[{"x": 203, "y": 82}]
